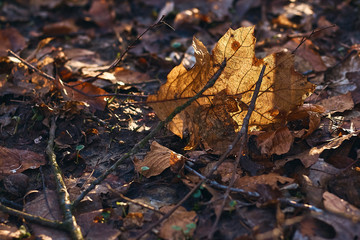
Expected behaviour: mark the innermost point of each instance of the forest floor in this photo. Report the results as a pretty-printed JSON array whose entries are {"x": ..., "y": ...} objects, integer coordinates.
[{"x": 295, "y": 175}]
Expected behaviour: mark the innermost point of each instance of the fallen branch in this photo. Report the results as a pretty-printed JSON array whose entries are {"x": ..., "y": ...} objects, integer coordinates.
[
  {"x": 243, "y": 140},
  {"x": 220, "y": 186},
  {"x": 32, "y": 218},
  {"x": 64, "y": 198}
]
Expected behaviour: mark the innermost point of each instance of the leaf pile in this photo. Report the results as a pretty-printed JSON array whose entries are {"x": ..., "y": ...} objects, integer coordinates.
[{"x": 213, "y": 119}]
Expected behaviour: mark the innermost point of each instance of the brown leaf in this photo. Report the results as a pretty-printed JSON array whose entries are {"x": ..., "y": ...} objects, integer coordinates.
[
  {"x": 275, "y": 142},
  {"x": 338, "y": 103},
  {"x": 11, "y": 38},
  {"x": 272, "y": 179},
  {"x": 156, "y": 161},
  {"x": 46, "y": 207},
  {"x": 83, "y": 92},
  {"x": 311, "y": 156},
  {"x": 60, "y": 28},
  {"x": 100, "y": 13},
  {"x": 177, "y": 226},
  {"x": 217, "y": 116},
  {"x": 337, "y": 205},
  {"x": 14, "y": 160}
]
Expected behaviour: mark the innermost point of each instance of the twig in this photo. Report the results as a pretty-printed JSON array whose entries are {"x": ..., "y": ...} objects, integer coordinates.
[
  {"x": 160, "y": 125},
  {"x": 134, "y": 201},
  {"x": 44, "y": 190},
  {"x": 220, "y": 186},
  {"x": 64, "y": 198},
  {"x": 36, "y": 219},
  {"x": 120, "y": 58},
  {"x": 300, "y": 205},
  {"x": 304, "y": 38},
  {"x": 243, "y": 136},
  {"x": 38, "y": 71}
]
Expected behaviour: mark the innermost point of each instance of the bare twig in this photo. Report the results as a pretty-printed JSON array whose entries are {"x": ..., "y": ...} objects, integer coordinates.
[
  {"x": 134, "y": 201},
  {"x": 220, "y": 186},
  {"x": 64, "y": 198},
  {"x": 120, "y": 58},
  {"x": 160, "y": 125},
  {"x": 243, "y": 136},
  {"x": 36, "y": 219},
  {"x": 310, "y": 35},
  {"x": 38, "y": 71}
]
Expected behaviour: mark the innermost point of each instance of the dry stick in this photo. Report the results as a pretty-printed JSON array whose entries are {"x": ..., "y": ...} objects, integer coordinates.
[
  {"x": 64, "y": 198},
  {"x": 119, "y": 59},
  {"x": 140, "y": 144},
  {"x": 31, "y": 218},
  {"x": 243, "y": 131},
  {"x": 38, "y": 71},
  {"x": 220, "y": 186},
  {"x": 243, "y": 134}
]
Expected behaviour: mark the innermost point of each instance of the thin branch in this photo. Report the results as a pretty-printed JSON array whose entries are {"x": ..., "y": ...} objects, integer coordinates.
[
  {"x": 243, "y": 136},
  {"x": 134, "y": 201},
  {"x": 38, "y": 71},
  {"x": 31, "y": 218},
  {"x": 220, "y": 186},
  {"x": 160, "y": 125},
  {"x": 120, "y": 58},
  {"x": 64, "y": 198}
]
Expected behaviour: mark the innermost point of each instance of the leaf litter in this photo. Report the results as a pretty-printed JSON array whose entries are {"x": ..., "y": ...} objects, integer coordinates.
[
  {"x": 296, "y": 153},
  {"x": 214, "y": 118}
]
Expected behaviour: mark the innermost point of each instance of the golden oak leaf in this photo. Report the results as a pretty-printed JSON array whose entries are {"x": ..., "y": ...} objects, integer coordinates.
[{"x": 218, "y": 114}]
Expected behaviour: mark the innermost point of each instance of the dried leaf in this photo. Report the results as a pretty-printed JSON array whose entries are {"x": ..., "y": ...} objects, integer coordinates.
[
  {"x": 218, "y": 114},
  {"x": 275, "y": 142},
  {"x": 338, "y": 103},
  {"x": 11, "y": 38},
  {"x": 311, "y": 156},
  {"x": 272, "y": 179},
  {"x": 156, "y": 161},
  {"x": 83, "y": 92},
  {"x": 179, "y": 225},
  {"x": 15, "y": 160},
  {"x": 337, "y": 205},
  {"x": 46, "y": 207}
]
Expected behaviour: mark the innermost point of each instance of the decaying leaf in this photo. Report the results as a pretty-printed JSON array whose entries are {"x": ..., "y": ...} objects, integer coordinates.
[
  {"x": 275, "y": 142},
  {"x": 272, "y": 179},
  {"x": 214, "y": 118},
  {"x": 180, "y": 225},
  {"x": 337, "y": 205},
  {"x": 16, "y": 160},
  {"x": 157, "y": 160}
]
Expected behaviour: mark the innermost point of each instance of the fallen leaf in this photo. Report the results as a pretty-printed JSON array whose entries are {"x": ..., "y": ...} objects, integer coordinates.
[
  {"x": 46, "y": 206},
  {"x": 338, "y": 103},
  {"x": 96, "y": 230},
  {"x": 311, "y": 156},
  {"x": 214, "y": 118},
  {"x": 180, "y": 225},
  {"x": 11, "y": 38},
  {"x": 271, "y": 179},
  {"x": 15, "y": 160},
  {"x": 60, "y": 28},
  {"x": 156, "y": 161},
  {"x": 83, "y": 92},
  {"x": 100, "y": 13},
  {"x": 337, "y": 205},
  {"x": 275, "y": 142}
]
